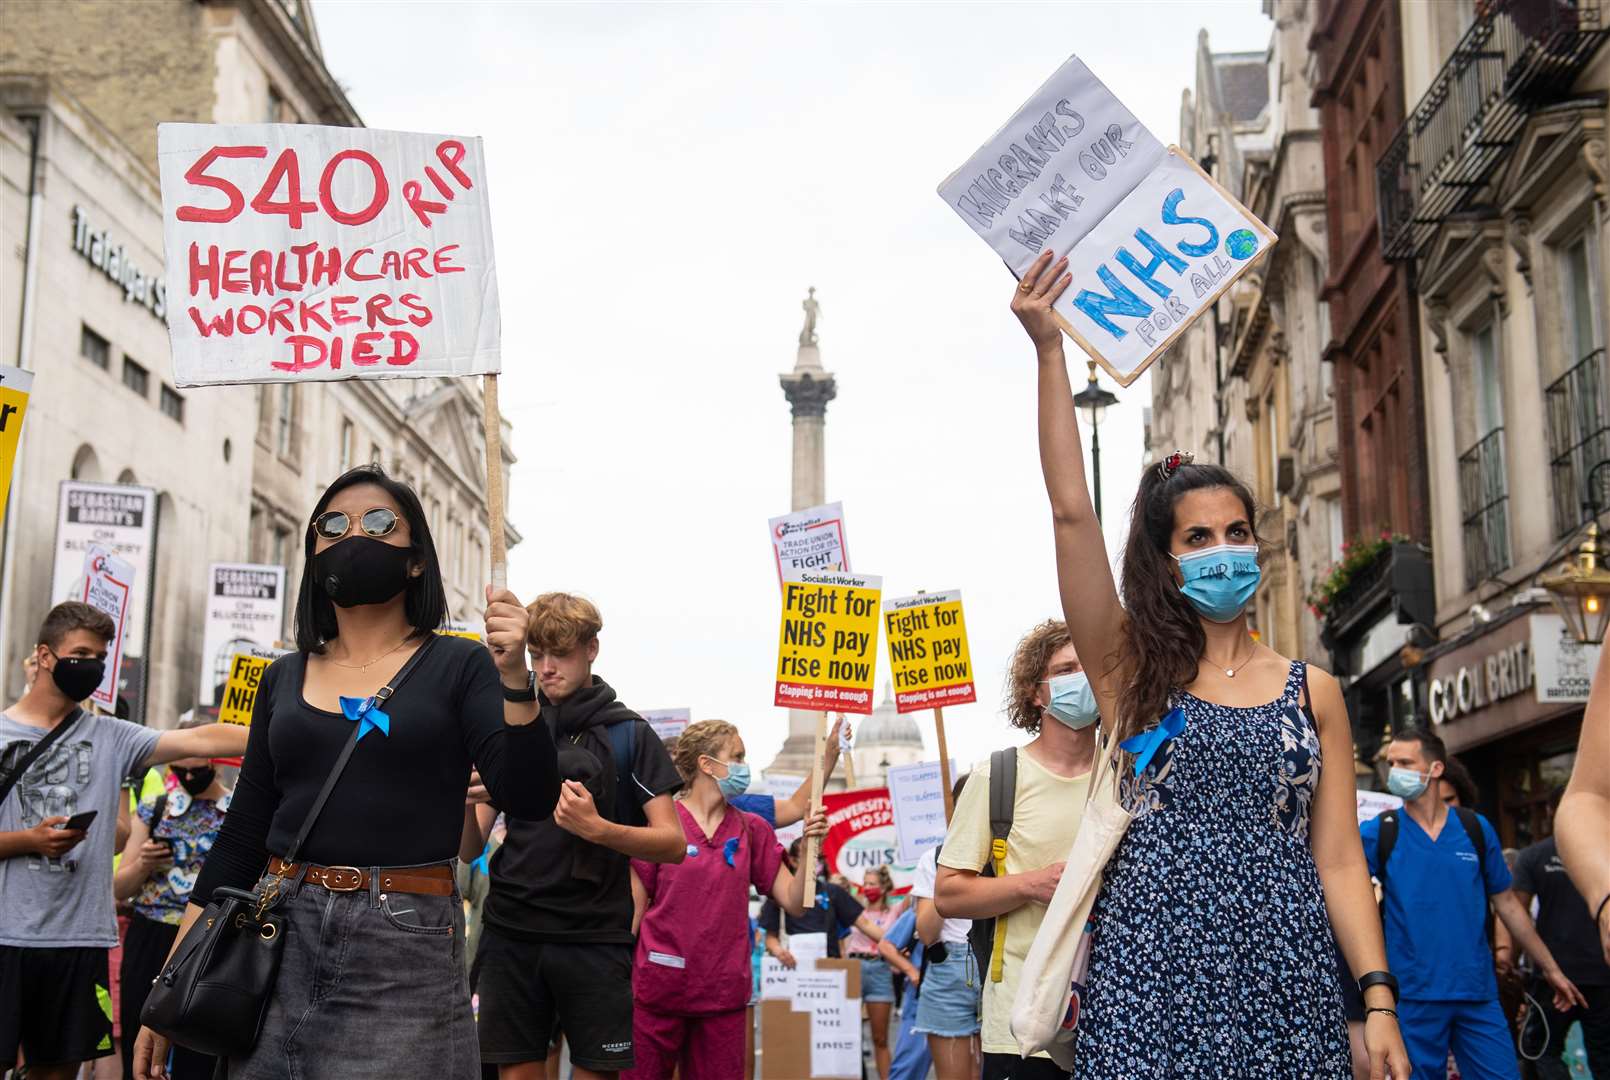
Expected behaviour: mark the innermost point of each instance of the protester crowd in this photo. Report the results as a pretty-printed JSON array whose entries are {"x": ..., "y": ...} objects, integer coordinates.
[{"x": 1239, "y": 922}]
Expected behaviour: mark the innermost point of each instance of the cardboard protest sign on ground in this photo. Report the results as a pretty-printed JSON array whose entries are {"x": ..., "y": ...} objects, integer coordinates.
[
  {"x": 668, "y": 724},
  {"x": 1151, "y": 240},
  {"x": 827, "y": 648},
  {"x": 815, "y": 1033},
  {"x": 861, "y": 836},
  {"x": 810, "y": 539},
  {"x": 917, "y": 797},
  {"x": 15, "y": 385},
  {"x": 245, "y": 609},
  {"x": 108, "y": 586},
  {"x": 245, "y": 675},
  {"x": 300, "y": 252},
  {"x": 928, "y": 651}
]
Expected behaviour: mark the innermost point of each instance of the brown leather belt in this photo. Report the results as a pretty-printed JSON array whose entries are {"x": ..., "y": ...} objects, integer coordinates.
[{"x": 424, "y": 880}]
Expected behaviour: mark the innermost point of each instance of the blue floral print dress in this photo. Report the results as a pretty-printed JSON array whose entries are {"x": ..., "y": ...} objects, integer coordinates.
[{"x": 1212, "y": 955}]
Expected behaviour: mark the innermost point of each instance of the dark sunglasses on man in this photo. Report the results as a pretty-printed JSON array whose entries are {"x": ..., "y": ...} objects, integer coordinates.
[{"x": 334, "y": 524}]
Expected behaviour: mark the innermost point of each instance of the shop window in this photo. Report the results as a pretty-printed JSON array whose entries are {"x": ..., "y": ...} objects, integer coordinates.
[
  {"x": 172, "y": 404},
  {"x": 94, "y": 348},
  {"x": 135, "y": 377}
]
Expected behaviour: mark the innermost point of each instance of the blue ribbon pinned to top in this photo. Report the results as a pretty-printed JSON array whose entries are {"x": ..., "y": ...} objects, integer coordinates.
[
  {"x": 729, "y": 851},
  {"x": 483, "y": 861},
  {"x": 1145, "y": 745},
  {"x": 368, "y": 717}
]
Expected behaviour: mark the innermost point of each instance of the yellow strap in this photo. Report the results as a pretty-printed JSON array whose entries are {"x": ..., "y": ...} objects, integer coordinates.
[{"x": 997, "y": 953}]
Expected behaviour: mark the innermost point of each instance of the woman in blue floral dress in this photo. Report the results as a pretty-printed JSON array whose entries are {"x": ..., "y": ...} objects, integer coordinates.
[{"x": 1212, "y": 954}]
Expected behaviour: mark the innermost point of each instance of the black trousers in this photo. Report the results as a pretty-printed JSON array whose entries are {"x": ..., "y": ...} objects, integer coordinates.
[
  {"x": 1595, "y": 1020},
  {"x": 145, "y": 949}
]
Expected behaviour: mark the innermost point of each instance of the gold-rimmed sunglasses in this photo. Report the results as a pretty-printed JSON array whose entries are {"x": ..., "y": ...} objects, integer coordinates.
[{"x": 334, "y": 524}]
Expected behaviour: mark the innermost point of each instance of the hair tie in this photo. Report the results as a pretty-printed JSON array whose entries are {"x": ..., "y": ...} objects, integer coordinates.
[{"x": 1171, "y": 464}]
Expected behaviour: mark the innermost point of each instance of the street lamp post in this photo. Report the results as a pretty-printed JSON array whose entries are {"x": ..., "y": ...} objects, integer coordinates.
[{"x": 1094, "y": 401}]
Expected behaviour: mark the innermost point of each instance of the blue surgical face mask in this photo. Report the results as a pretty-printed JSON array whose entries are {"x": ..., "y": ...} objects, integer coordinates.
[
  {"x": 736, "y": 782},
  {"x": 1220, "y": 580},
  {"x": 1072, "y": 700},
  {"x": 1406, "y": 783}
]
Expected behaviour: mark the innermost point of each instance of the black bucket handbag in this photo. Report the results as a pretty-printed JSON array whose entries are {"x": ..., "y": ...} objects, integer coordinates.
[{"x": 214, "y": 990}]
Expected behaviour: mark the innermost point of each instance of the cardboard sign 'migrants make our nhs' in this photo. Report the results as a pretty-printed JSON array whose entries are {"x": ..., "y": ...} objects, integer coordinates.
[{"x": 1151, "y": 240}]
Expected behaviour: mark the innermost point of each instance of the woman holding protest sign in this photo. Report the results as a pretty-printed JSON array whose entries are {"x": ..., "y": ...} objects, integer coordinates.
[
  {"x": 350, "y": 804},
  {"x": 1211, "y": 948},
  {"x": 691, "y": 976}
]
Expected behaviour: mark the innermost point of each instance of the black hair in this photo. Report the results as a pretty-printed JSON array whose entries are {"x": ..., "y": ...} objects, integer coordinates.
[
  {"x": 1432, "y": 745},
  {"x": 425, "y": 603},
  {"x": 1463, "y": 784}
]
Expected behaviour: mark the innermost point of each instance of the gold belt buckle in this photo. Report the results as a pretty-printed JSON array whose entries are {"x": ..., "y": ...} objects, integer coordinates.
[{"x": 357, "y": 878}]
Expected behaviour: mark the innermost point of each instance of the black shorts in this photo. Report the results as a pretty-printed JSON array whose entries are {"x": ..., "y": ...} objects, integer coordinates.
[
  {"x": 56, "y": 1004},
  {"x": 1012, "y": 1067},
  {"x": 530, "y": 989}
]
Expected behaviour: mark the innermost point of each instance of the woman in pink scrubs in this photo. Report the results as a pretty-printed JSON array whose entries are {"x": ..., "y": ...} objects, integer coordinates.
[{"x": 691, "y": 975}]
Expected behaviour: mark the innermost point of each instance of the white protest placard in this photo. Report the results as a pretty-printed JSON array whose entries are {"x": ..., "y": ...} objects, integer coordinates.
[
  {"x": 776, "y": 980},
  {"x": 918, "y": 797},
  {"x": 298, "y": 252},
  {"x": 1372, "y": 804},
  {"x": 813, "y": 988},
  {"x": 245, "y": 610},
  {"x": 808, "y": 948},
  {"x": 108, "y": 585},
  {"x": 1151, "y": 240},
  {"x": 668, "y": 724},
  {"x": 811, "y": 539},
  {"x": 781, "y": 786},
  {"x": 836, "y": 1037}
]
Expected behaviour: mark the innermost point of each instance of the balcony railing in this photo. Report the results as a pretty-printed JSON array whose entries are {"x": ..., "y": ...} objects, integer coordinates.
[
  {"x": 1519, "y": 54},
  {"x": 1484, "y": 505},
  {"x": 1578, "y": 405}
]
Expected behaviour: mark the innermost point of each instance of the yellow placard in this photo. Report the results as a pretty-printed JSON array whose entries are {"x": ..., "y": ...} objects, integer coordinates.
[
  {"x": 240, "y": 692},
  {"x": 15, "y": 385},
  {"x": 827, "y": 650},
  {"x": 471, "y": 634},
  {"x": 928, "y": 651}
]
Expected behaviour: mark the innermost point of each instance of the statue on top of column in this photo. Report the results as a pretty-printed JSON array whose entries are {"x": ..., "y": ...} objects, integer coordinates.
[{"x": 807, "y": 336}]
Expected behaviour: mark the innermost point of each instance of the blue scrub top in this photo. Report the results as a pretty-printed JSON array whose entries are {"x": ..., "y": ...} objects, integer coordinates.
[
  {"x": 902, "y": 934},
  {"x": 1436, "y": 909},
  {"x": 762, "y": 806}
]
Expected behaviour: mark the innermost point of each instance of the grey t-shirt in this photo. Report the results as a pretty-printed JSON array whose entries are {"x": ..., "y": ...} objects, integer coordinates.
[{"x": 66, "y": 902}]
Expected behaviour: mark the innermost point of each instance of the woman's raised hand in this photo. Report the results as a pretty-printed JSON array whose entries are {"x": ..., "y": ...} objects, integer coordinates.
[
  {"x": 506, "y": 624},
  {"x": 1042, "y": 283}
]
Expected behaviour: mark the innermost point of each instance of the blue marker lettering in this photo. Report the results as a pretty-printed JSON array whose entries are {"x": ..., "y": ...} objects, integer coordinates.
[
  {"x": 1123, "y": 301},
  {"x": 1161, "y": 256},
  {"x": 1172, "y": 216}
]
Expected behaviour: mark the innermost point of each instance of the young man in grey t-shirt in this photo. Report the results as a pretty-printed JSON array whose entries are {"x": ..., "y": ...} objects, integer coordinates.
[{"x": 56, "y": 915}]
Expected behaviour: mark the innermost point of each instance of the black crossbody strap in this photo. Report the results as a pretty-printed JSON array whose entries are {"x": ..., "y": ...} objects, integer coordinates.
[
  {"x": 37, "y": 752},
  {"x": 384, "y": 694}
]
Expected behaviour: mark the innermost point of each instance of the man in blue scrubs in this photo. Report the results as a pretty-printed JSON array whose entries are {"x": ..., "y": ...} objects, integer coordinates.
[
  {"x": 912, "y": 1060},
  {"x": 1437, "y": 885}
]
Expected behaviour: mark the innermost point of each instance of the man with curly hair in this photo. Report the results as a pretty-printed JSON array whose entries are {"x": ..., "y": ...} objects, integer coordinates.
[{"x": 1048, "y": 696}]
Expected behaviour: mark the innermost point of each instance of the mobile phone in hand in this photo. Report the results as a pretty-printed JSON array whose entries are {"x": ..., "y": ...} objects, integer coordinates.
[{"x": 79, "y": 821}]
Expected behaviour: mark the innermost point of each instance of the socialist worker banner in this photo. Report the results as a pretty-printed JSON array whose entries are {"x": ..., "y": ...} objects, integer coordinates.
[
  {"x": 298, "y": 252},
  {"x": 861, "y": 837}
]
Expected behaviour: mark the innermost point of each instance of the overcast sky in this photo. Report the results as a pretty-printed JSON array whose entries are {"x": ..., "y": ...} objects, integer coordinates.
[{"x": 666, "y": 181}]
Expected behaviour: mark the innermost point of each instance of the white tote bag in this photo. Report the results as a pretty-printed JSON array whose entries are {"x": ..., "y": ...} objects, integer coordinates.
[{"x": 1046, "y": 1011}]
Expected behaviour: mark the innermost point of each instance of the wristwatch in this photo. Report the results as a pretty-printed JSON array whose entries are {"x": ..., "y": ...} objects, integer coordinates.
[
  {"x": 1379, "y": 978},
  {"x": 528, "y": 694}
]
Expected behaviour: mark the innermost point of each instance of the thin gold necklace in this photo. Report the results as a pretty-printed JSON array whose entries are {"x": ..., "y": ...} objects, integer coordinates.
[
  {"x": 1230, "y": 671},
  {"x": 372, "y": 663}
]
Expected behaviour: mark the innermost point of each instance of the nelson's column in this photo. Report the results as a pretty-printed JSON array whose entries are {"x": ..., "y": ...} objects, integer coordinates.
[{"x": 808, "y": 389}]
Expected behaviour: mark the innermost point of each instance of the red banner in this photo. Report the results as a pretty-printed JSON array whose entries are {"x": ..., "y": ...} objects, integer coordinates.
[{"x": 860, "y": 835}]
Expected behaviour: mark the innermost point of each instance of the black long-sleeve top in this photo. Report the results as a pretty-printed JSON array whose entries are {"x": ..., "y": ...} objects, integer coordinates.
[{"x": 400, "y": 801}]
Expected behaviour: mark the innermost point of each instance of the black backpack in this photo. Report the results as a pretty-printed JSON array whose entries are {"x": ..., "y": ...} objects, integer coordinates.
[
  {"x": 1389, "y": 839},
  {"x": 987, "y": 938},
  {"x": 622, "y": 736}
]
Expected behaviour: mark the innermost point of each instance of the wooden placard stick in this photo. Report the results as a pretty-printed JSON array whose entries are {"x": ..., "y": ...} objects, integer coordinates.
[
  {"x": 849, "y": 761},
  {"x": 492, "y": 423},
  {"x": 944, "y": 761},
  {"x": 808, "y": 850}
]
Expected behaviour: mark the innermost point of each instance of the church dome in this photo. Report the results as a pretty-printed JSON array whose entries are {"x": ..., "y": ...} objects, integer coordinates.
[{"x": 887, "y": 726}]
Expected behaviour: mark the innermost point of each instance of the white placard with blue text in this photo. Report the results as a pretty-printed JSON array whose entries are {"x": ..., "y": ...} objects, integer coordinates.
[{"x": 917, "y": 796}]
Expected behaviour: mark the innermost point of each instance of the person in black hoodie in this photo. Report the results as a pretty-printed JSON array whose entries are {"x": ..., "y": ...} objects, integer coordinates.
[{"x": 556, "y": 941}]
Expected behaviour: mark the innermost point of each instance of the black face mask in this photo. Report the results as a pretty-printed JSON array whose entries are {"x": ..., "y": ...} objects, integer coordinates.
[
  {"x": 78, "y": 676},
  {"x": 362, "y": 570},
  {"x": 195, "y": 781}
]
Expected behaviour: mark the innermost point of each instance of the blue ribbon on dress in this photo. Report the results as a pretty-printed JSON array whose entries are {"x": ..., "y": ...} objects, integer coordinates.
[
  {"x": 368, "y": 717},
  {"x": 1145, "y": 745},
  {"x": 729, "y": 850}
]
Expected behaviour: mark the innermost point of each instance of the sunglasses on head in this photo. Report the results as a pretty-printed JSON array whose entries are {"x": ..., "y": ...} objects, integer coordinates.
[{"x": 334, "y": 524}]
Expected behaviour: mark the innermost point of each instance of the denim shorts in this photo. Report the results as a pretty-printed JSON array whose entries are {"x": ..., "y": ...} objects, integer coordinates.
[
  {"x": 948, "y": 1000},
  {"x": 877, "y": 983},
  {"x": 371, "y": 986}
]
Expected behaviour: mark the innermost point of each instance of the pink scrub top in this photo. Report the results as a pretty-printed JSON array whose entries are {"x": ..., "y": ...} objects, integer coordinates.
[{"x": 693, "y": 946}]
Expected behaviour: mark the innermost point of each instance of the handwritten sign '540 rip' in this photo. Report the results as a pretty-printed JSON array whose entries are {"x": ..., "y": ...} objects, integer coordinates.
[
  {"x": 827, "y": 652},
  {"x": 928, "y": 651}
]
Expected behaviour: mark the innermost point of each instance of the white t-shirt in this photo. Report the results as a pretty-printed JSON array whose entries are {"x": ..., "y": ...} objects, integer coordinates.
[{"x": 954, "y": 932}]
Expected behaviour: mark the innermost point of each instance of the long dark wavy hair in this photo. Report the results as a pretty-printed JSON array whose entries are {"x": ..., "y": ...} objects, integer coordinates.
[
  {"x": 1163, "y": 638},
  {"x": 425, "y": 604}
]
